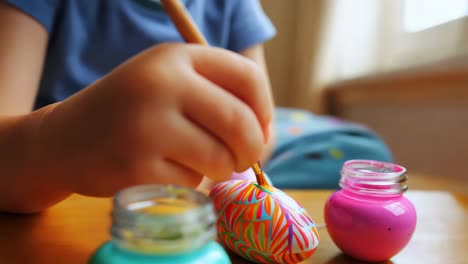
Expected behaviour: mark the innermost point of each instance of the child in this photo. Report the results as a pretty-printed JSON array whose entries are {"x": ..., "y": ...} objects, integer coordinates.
[{"x": 114, "y": 106}]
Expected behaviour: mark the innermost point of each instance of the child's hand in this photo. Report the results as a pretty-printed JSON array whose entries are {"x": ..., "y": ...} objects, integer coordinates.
[{"x": 169, "y": 115}]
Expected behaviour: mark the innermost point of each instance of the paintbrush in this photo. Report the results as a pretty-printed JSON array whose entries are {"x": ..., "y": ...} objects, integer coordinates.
[{"x": 191, "y": 34}]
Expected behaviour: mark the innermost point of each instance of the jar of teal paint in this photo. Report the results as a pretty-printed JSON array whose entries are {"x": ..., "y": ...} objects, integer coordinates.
[{"x": 161, "y": 224}]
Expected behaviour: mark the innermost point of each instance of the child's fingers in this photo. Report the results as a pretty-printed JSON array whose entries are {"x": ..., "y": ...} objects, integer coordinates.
[
  {"x": 166, "y": 171},
  {"x": 198, "y": 150},
  {"x": 226, "y": 117},
  {"x": 129, "y": 173},
  {"x": 239, "y": 76}
]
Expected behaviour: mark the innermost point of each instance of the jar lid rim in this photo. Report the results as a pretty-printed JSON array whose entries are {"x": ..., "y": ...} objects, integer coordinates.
[{"x": 371, "y": 168}]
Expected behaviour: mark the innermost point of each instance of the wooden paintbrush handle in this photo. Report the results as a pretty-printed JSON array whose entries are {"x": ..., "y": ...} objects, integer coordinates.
[
  {"x": 183, "y": 22},
  {"x": 191, "y": 34}
]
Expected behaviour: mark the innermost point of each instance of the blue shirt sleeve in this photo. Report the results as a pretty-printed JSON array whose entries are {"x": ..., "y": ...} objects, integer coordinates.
[
  {"x": 44, "y": 11},
  {"x": 249, "y": 25}
]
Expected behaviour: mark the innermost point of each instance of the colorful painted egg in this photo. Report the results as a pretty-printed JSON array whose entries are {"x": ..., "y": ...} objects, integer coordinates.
[{"x": 263, "y": 224}]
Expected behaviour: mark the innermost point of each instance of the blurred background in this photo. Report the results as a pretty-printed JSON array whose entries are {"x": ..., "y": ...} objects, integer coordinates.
[{"x": 398, "y": 66}]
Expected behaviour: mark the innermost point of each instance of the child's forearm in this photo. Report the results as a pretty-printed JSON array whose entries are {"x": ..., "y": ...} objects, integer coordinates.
[{"x": 28, "y": 182}]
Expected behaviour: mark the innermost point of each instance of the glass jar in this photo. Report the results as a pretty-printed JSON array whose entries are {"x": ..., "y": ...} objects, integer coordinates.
[
  {"x": 369, "y": 218},
  {"x": 161, "y": 224}
]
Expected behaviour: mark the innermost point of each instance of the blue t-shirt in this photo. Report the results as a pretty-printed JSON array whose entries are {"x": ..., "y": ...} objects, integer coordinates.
[{"x": 88, "y": 38}]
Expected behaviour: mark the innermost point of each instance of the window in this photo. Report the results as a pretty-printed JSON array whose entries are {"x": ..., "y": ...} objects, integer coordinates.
[
  {"x": 425, "y": 32},
  {"x": 419, "y": 15}
]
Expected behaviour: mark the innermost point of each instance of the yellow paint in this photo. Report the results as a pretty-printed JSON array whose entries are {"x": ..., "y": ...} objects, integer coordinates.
[
  {"x": 336, "y": 153},
  {"x": 168, "y": 206},
  {"x": 299, "y": 117}
]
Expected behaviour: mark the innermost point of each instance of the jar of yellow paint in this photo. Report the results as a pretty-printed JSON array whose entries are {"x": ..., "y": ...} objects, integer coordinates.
[{"x": 161, "y": 224}]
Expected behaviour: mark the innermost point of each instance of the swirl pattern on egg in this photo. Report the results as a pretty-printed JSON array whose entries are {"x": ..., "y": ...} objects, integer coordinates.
[{"x": 262, "y": 223}]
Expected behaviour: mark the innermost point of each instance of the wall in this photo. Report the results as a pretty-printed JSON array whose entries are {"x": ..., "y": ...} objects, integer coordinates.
[
  {"x": 422, "y": 114},
  {"x": 290, "y": 54}
]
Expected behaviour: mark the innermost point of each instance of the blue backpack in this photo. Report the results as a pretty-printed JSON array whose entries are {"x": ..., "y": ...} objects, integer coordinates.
[{"x": 311, "y": 149}]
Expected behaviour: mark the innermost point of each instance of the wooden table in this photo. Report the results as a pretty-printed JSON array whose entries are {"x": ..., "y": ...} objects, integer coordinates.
[{"x": 69, "y": 232}]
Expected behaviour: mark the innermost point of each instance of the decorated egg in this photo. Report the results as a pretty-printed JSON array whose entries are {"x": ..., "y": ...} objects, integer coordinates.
[{"x": 263, "y": 224}]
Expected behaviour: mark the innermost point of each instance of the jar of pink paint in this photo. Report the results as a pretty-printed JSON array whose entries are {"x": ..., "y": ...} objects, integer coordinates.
[{"x": 369, "y": 218}]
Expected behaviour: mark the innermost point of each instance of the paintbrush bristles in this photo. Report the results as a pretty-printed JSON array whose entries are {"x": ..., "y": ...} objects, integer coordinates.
[{"x": 259, "y": 174}]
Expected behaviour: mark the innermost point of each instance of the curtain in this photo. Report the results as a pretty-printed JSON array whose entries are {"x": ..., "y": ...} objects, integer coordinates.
[{"x": 325, "y": 41}]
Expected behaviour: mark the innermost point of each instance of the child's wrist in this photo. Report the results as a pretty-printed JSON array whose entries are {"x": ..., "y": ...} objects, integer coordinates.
[
  {"x": 36, "y": 147},
  {"x": 26, "y": 168}
]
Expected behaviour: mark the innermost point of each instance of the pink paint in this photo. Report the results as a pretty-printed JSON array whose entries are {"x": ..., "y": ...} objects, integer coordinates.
[
  {"x": 370, "y": 219},
  {"x": 247, "y": 175}
]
